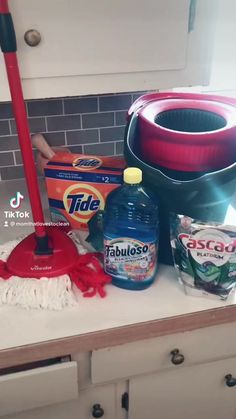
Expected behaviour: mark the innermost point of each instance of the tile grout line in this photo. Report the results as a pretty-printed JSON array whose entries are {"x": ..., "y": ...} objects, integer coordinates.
[
  {"x": 46, "y": 123},
  {"x": 81, "y": 122},
  {"x": 9, "y": 124},
  {"x": 69, "y": 130},
  {"x": 27, "y": 109},
  {"x": 65, "y": 139},
  {"x": 66, "y": 143},
  {"x": 79, "y": 113},
  {"x": 7, "y": 165},
  {"x": 70, "y": 145},
  {"x": 14, "y": 158},
  {"x": 85, "y": 144}
]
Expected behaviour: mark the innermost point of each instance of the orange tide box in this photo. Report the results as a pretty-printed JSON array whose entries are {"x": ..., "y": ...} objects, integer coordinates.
[{"x": 78, "y": 184}]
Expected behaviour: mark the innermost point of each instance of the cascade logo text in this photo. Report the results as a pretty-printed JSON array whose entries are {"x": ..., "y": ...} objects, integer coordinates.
[{"x": 203, "y": 244}]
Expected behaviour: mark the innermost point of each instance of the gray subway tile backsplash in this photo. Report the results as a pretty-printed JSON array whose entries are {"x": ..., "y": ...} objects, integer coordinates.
[
  {"x": 55, "y": 139},
  {"x": 81, "y": 105},
  {"x": 35, "y": 124},
  {"x": 114, "y": 102},
  {"x": 18, "y": 156},
  {"x": 12, "y": 172},
  {"x": 112, "y": 134},
  {"x": 83, "y": 136},
  {"x": 120, "y": 117},
  {"x": 119, "y": 148},
  {"x": 88, "y": 124},
  {"x": 98, "y": 120},
  {"x": 136, "y": 95},
  {"x": 106, "y": 149},
  {"x": 5, "y": 111},
  {"x": 9, "y": 142},
  {"x": 63, "y": 122},
  {"x": 77, "y": 149},
  {"x": 45, "y": 107},
  {"x": 6, "y": 159},
  {"x": 4, "y": 128}
]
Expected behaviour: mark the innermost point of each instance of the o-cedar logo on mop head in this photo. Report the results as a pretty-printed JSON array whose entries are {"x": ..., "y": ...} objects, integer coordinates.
[
  {"x": 87, "y": 163},
  {"x": 209, "y": 245},
  {"x": 81, "y": 201}
]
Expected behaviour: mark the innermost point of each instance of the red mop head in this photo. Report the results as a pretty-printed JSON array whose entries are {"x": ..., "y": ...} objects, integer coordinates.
[
  {"x": 33, "y": 281},
  {"x": 24, "y": 262}
]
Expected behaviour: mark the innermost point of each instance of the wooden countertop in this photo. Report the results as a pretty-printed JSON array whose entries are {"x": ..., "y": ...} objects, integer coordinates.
[{"x": 124, "y": 316}]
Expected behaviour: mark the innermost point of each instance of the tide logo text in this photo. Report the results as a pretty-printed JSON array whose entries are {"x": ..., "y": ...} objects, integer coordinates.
[
  {"x": 79, "y": 204},
  {"x": 87, "y": 164}
]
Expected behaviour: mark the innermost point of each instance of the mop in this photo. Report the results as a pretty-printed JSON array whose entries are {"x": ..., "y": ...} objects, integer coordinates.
[{"x": 44, "y": 263}]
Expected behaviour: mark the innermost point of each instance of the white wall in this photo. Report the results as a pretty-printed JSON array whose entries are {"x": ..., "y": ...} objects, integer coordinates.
[
  {"x": 223, "y": 75},
  {"x": 223, "y": 71}
]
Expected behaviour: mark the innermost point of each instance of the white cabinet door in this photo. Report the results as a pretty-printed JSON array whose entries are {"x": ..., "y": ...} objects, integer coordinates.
[
  {"x": 198, "y": 392},
  {"x": 99, "y": 37},
  {"x": 90, "y": 46},
  {"x": 82, "y": 408}
]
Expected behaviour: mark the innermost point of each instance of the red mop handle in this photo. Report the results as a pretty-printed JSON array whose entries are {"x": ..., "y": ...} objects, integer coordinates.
[{"x": 8, "y": 46}]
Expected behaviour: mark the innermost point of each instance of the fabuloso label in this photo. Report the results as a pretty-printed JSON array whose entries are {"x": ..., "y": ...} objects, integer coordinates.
[{"x": 130, "y": 259}]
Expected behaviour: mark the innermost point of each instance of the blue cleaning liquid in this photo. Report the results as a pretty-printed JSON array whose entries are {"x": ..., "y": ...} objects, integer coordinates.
[{"x": 131, "y": 236}]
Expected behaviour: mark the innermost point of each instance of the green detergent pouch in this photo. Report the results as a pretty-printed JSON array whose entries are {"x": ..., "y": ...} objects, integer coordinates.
[{"x": 204, "y": 256}]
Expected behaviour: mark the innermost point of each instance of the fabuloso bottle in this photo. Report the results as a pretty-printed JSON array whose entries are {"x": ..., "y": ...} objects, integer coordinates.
[{"x": 131, "y": 233}]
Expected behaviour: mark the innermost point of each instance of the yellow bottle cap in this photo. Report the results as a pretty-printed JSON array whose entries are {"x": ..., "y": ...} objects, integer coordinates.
[{"x": 132, "y": 175}]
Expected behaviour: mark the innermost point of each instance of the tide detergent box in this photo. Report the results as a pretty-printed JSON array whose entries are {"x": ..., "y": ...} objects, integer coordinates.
[{"x": 78, "y": 184}]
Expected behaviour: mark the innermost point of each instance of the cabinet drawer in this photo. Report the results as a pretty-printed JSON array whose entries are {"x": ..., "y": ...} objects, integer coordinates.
[
  {"x": 82, "y": 408},
  {"x": 38, "y": 387},
  {"x": 151, "y": 355}
]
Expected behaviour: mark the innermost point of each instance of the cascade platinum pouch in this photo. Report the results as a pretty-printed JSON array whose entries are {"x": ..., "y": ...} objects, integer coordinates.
[{"x": 204, "y": 256}]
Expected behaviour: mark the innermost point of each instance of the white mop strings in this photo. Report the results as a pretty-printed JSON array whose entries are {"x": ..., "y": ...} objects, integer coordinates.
[{"x": 45, "y": 293}]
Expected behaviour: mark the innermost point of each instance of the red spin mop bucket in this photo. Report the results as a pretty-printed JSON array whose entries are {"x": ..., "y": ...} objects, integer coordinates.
[{"x": 48, "y": 252}]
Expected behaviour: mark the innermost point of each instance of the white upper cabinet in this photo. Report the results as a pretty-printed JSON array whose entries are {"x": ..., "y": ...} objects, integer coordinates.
[{"x": 90, "y": 46}]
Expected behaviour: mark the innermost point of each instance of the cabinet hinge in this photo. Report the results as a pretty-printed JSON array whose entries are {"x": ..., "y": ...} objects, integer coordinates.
[
  {"x": 192, "y": 15},
  {"x": 125, "y": 401}
]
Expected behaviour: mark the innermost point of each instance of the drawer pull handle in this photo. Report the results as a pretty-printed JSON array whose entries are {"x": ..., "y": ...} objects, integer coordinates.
[
  {"x": 98, "y": 411},
  {"x": 176, "y": 357},
  {"x": 230, "y": 380},
  {"x": 32, "y": 37}
]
